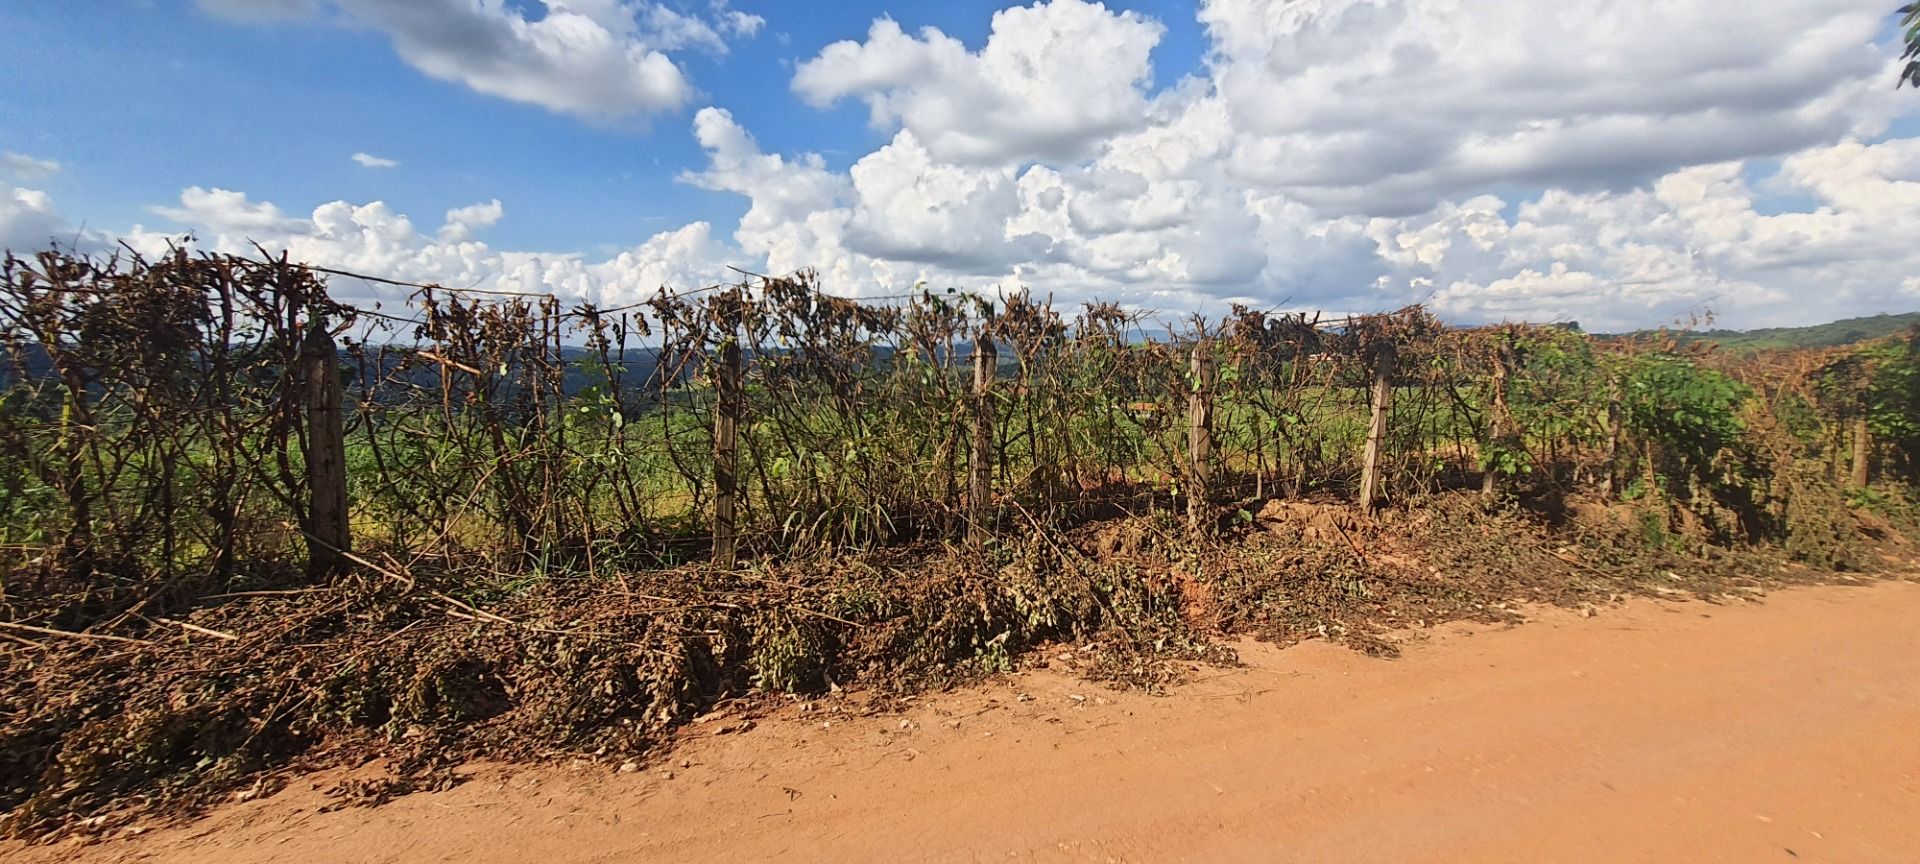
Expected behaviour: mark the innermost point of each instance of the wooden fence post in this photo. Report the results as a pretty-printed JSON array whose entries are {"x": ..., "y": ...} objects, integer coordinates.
[
  {"x": 726, "y": 451},
  {"x": 1613, "y": 439},
  {"x": 980, "y": 458},
  {"x": 1384, "y": 356},
  {"x": 1862, "y": 450},
  {"x": 329, "y": 536},
  {"x": 1200, "y": 436}
]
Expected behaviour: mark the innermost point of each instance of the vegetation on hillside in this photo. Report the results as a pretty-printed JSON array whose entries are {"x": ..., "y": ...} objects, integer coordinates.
[{"x": 1834, "y": 334}]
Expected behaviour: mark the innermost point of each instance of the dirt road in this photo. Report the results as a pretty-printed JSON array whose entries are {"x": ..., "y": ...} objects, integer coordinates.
[{"x": 1784, "y": 731}]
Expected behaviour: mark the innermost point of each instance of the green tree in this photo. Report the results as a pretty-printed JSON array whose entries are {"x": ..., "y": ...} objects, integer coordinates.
[
  {"x": 1684, "y": 416},
  {"x": 1910, "y": 22}
]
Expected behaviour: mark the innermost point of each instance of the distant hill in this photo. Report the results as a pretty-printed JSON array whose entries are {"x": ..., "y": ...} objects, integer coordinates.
[{"x": 1844, "y": 332}]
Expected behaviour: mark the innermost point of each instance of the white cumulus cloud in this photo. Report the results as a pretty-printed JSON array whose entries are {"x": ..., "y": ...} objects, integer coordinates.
[
  {"x": 599, "y": 59},
  {"x": 27, "y": 167},
  {"x": 29, "y": 222},
  {"x": 591, "y": 59},
  {"x": 1616, "y": 164},
  {"x": 462, "y": 222},
  {"x": 368, "y": 160},
  {"x": 1383, "y": 106},
  {"x": 1052, "y": 80},
  {"x": 375, "y": 239}
]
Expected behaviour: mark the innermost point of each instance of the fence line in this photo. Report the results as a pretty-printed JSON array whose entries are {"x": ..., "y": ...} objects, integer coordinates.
[{"x": 155, "y": 412}]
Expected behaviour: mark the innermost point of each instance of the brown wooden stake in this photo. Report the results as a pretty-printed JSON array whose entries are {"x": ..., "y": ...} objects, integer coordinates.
[
  {"x": 1613, "y": 440},
  {"x": 1862, "y": 451},
  {"x": 329, "y": 534},
  {"x": 980, "y": 517},
  {"x": 1383, "y": 362},
  {"x": 726, "y": 452},
  {"x": 1200, "y": 437},
  {"x": 1836, "y": 450}
]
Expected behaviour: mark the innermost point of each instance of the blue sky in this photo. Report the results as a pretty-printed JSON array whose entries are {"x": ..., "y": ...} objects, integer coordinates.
[
  {"x": 1335, "y": 153},
  {"x": 178, "y": 96}
]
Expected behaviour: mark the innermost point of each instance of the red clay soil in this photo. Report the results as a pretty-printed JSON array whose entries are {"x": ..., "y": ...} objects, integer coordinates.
[{"x": 1786, "y": 731}]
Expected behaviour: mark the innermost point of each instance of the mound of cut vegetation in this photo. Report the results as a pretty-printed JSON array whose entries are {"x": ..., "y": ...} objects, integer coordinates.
[{"x": 231, "y": 695}]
